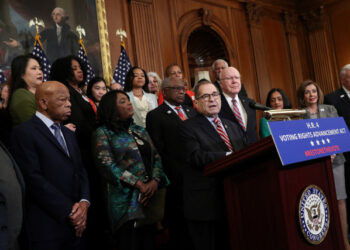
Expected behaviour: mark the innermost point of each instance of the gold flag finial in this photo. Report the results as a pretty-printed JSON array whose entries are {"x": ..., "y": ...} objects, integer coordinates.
[
  {"x": 36, "y": 22},
  {"x": 121, "y": 33},
  {"x": 81, "y": 31}
]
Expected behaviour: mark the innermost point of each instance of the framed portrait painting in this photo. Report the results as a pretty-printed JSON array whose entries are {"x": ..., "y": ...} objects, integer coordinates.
[{"x": 59, "y": 36}]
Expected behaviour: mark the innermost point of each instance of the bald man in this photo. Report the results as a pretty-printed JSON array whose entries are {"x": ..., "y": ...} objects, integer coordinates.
[
  {"x": 57, "y": 188},
  {"x": 235, "y": 107}
]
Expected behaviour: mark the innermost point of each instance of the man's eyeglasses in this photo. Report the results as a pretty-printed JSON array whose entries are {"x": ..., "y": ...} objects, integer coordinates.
[
  {"x": 177, "y": 89},
  {"x": 206, "y": 97}
]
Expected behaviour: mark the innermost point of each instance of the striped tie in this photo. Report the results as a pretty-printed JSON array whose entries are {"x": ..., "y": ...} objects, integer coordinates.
[
  {"x": 238, "y": 114},
  {"x": 222, "y": 133},
  {"x": 179, "y": 112}
]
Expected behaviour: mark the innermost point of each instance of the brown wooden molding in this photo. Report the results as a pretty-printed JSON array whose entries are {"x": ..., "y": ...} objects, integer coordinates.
[
  {"x": 254, "y": 12},
  {"x": 290, "y": 22},
  {"x": 314, "y": 19},
  {"x": 206, "y": 15}
]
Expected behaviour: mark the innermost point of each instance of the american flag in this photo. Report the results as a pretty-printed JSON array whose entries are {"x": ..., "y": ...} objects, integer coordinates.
[
  {"x": 44, "y": 61},
  {"x": 83, "y": 57},
  {"x": 122, "y": 68},
  {"x": 2, "y": 77}
]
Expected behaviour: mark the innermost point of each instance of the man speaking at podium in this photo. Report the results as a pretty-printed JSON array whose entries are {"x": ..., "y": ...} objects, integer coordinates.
[{"x": 206, "y": 138}]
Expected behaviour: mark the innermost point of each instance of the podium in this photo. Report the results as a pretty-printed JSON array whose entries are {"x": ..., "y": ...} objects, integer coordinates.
[{"x": 262, "y": 198}]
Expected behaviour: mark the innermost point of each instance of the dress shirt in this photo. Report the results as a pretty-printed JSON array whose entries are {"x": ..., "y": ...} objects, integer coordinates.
[
  {"x": 48, "y": 122},
  {"x": 240, "y": 107},
  {"x": 346, "y": 91},
  {"x": 173, "y": 108}
]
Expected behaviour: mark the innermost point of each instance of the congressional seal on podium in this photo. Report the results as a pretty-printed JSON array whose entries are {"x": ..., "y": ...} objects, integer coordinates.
[{"x": 314, "y": 214}]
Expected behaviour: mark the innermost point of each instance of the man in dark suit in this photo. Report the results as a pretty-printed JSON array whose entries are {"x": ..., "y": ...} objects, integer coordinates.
[
  {"x": 57, "y": 188},
  {"x": 60, "y": 40},
  {"x": 11, "y": 200},
  {"x": 206, "y": 138},
  {"x": 340, "y": 99},
  {"x": 235, "y": 107},
  {"x": 162, "y": 124}
]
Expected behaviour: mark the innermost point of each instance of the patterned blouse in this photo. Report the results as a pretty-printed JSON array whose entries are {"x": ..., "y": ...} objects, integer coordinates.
[{"x": 119, "y": 161}]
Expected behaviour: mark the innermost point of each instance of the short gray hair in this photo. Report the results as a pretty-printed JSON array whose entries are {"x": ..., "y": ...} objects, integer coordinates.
[
  {"x": 166, "y": 82},
  {"x": 219, "y": 60},
  {"x": 155, "y": 75},
  {"x": 344, "y": 70},
  {"x": 63, "y": 12}
]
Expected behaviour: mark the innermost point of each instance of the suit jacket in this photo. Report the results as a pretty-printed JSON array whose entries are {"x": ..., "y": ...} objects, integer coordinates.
[
  {"x": 250, "y": 136},
  {"x": 162, "y": 125},
  {"x": 340, "y": 100},
  {"x": 8, "y": 238},
  {"x": 67, "y": 46},
  {"x": 203, "y": 195},
  {"x": 54, "y": 180}
]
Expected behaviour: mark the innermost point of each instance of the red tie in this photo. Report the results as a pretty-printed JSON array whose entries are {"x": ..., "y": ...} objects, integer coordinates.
[
  {"x": 238, "y": 114},
  {"x": 179, "y": 112},
  {"x": 222, "y": 133}
]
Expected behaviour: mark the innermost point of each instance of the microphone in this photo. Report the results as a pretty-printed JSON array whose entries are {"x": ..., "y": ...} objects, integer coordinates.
[{"x": 255, "y": 105}]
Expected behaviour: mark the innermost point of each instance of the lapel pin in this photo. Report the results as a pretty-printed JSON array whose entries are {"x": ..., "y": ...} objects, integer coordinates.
[
  {"x": 168, "y": 112},
  {"x": 187, "y": 110},
  {"x": 342, "y": 96},
  {"x": 225, "y": 126}
]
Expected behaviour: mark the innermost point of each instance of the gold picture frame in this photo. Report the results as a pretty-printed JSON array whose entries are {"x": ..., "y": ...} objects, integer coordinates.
[{"x": 104, "y": 41}]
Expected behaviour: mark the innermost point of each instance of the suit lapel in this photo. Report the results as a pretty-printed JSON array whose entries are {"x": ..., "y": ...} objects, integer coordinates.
[
  {"x": 45, "y": 131},
  {"x": 230, "y": 133},
  {"x": 343, "y": 96},
  {"x": 169, "y": 112},
  {"x": 322, "y": 111},
  {"x": 209, "y": 130}
]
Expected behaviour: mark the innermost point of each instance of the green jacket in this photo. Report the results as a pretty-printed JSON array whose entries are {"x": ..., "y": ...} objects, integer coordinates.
[{"x": 22, "y": 106}]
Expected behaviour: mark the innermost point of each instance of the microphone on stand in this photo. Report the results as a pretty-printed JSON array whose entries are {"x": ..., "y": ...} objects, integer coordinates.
[{"x": 255, "y": 105}]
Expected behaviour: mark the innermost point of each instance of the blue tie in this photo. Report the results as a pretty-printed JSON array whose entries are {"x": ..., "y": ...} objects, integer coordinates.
[{"x": 56, "y": 127}]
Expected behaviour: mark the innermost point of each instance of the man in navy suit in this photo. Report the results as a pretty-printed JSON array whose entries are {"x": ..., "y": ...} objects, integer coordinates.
[
  {"x": 162, "y": 124},
  {"x": 57, "y": 188},
  {"x": 340, "y": 99},
  {"x": 235, "y": 106},
  {"x": 206, "y": 138}
]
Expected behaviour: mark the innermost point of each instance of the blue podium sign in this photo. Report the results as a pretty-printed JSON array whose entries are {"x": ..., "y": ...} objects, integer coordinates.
[{"x": 303, "y": 140}]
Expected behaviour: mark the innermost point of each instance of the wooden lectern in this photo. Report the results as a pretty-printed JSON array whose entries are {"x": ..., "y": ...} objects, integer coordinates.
[{"x": 262, "y": 198}]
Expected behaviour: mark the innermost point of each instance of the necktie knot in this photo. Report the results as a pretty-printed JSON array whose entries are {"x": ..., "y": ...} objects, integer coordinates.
[
  {"x": 179, "y": 112},
  {"x": 56, "y": 126}
]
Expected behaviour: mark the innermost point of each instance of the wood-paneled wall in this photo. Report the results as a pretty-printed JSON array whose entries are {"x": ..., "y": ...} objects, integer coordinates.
[{"x": 273, "y": 43}]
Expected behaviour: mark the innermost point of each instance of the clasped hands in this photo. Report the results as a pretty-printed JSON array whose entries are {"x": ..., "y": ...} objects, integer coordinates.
[
  {"x": 78, "y": 217},
  {"x": 147, "y": 190}
]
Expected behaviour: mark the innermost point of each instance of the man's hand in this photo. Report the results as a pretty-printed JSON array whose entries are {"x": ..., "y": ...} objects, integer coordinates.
[
  {"x": 12, "y": 43},
  {"x": 70, "y": 126},
  {"x": 78, "y": 217}
]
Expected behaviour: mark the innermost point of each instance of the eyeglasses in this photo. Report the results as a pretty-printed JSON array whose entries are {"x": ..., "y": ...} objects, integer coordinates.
[
  {"x": 177, "y": 89},
  {"x": 206, "y": 97},
  {"x": 230, "y": 78}
]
